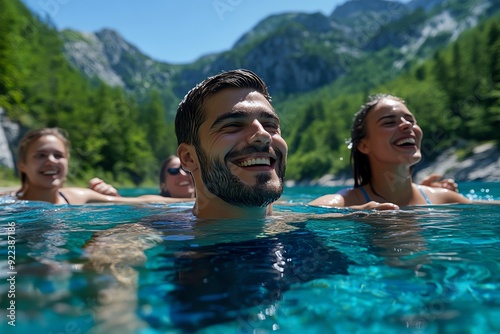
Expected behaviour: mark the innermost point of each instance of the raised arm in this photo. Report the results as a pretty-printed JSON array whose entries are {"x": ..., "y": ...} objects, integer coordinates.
[
  {"x": 437, "y": 181},
  {"x": 102, "y": 187},
  {"x": 84, "y": 195}
]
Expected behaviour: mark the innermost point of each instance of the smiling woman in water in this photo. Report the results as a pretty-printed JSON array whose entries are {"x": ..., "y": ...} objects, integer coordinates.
[
  {"x": 385, "y": 145},
  {"x": 43, "y": 166}
]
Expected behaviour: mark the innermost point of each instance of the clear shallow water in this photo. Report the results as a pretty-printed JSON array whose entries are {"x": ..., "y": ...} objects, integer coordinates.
[{"x": 156, "y": 269}]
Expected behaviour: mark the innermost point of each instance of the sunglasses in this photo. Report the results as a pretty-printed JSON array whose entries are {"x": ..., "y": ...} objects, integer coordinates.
[{"x": 174, "y": 171}]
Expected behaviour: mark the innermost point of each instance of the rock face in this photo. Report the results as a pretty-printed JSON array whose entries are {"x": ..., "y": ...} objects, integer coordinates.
[
  {"x": 107, "y": 56},
  {"x": 89, "y": 52},
  {"x": 482, "y": 165},
  {"x": 9, "y": 136}
]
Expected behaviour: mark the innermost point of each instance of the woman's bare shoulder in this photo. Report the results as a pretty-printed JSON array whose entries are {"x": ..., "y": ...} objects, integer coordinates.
[
  {"x": 342, "y": 198},
  {"x": 79, "y": 195},
  {"x": 330, "y": 200}
]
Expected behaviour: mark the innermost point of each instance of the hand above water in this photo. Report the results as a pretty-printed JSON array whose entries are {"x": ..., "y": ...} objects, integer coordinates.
[
  {"x": 437, "y": 181},
  {"x": 102, "y": 187},
  {"x": 372, "y": 205}
]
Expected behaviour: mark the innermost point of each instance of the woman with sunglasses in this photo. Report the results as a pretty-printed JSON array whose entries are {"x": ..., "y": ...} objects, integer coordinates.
[{"x": 174, "y": 181}]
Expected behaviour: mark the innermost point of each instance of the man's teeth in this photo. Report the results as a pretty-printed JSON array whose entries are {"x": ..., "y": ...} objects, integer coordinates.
[
  {"x": 257, "y": 161},
  {"x": 50, "y": 172},
  {"x": 405, "y": 141}
]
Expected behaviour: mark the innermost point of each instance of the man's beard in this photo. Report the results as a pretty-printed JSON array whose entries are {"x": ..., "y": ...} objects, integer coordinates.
[{"x": 221, "y": 182}]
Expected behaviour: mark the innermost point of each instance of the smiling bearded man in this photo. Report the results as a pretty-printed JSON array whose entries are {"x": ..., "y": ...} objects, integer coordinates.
[{"x": 230, "y": 140}]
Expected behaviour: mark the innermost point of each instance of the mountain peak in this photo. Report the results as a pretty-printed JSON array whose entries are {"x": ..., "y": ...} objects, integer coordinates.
[
  {"x": 294, "y": 52},
  {"x": 316, "y": 22},
  {"x": 356, "y": 8},
  {"x": 87, "y": 52}
]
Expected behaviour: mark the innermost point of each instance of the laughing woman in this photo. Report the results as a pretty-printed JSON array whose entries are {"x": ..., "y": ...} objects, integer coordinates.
[
  {"x": 43, "y": 158},
  {"x": 385, "y": 145}
]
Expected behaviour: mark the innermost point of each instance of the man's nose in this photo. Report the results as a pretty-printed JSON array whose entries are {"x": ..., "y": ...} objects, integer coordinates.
[{"x": 259, "y": 134}]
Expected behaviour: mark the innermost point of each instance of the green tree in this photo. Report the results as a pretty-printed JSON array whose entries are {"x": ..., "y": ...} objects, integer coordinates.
[{"x": 153, "y": 119}]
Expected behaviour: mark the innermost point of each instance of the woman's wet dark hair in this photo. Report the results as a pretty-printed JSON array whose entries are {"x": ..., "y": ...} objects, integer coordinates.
[{"x": 360, "y": 164}]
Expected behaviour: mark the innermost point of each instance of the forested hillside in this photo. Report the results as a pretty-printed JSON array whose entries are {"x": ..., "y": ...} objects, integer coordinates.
[
  {"x": 112, "y": 135},
  {"x": 318, "y": 85},
  {"x": 455, "y": 96}
]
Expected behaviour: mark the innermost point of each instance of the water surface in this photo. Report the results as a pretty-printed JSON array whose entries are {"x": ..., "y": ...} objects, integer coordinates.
[{"x": 157, "y": 269}]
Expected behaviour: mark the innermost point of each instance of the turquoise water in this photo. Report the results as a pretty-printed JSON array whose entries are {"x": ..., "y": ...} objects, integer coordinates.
[{"x": 156, "y": 269}]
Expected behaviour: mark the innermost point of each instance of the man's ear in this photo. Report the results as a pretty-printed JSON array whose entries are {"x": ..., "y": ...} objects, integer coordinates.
[
  {"x": 363, "y": 146},
  {"x": 188, "y": 157}
]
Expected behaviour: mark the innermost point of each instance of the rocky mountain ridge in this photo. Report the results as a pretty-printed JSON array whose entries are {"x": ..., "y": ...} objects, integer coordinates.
[
  {"x": 107, "y": 56},
  {"x": 293, "y": 52}
]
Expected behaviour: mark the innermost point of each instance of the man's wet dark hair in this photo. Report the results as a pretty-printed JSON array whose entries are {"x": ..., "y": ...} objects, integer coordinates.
[{"x": 190, "y": 113}]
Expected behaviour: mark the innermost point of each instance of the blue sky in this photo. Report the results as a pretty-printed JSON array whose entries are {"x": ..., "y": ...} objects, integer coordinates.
[{"x": 175, "y": 31}]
